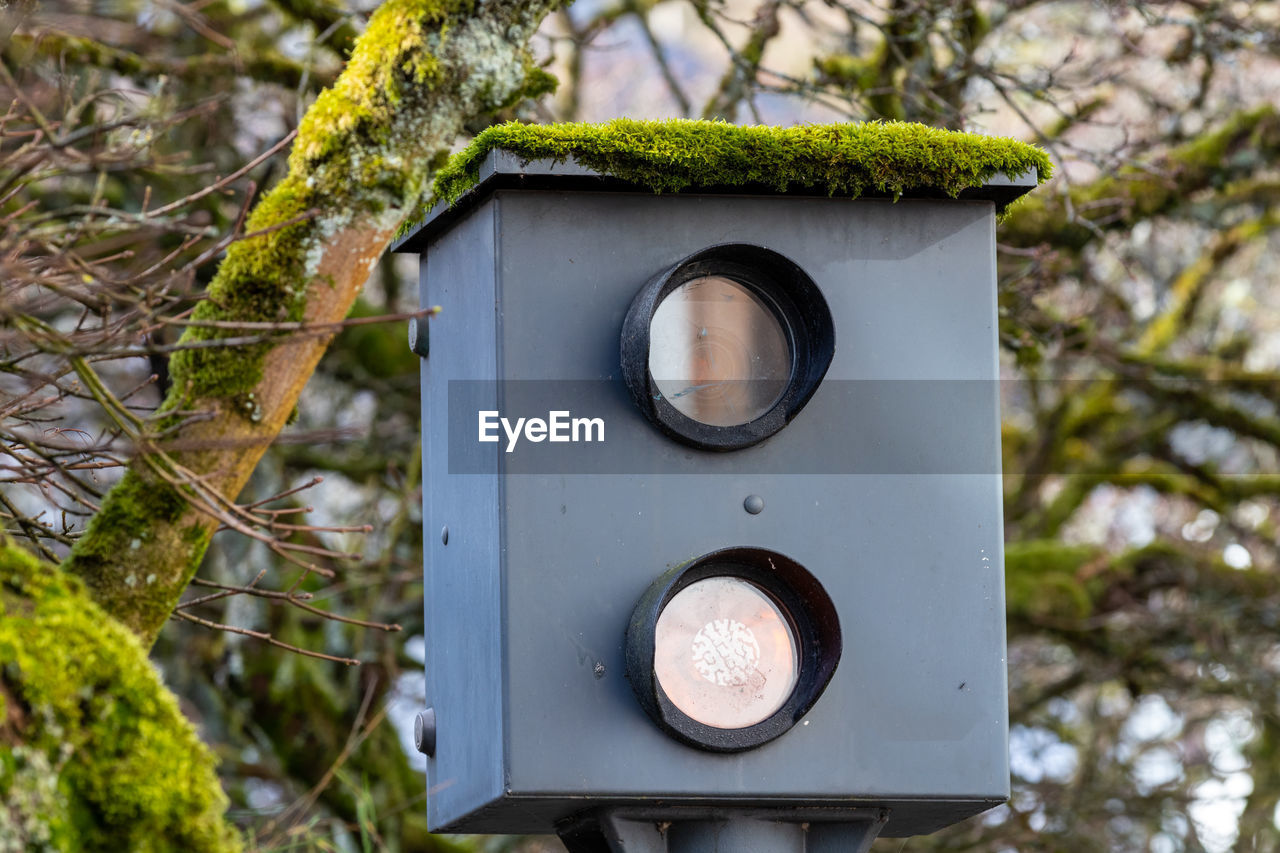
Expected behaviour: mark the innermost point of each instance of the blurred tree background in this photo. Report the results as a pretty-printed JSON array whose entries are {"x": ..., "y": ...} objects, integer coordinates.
[{"x": 1140, "y": 331}]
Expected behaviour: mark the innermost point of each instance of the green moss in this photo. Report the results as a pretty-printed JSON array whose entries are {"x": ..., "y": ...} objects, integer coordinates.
[
  {"x": 131, "y": 511},
  {"x": 848, "y": 160},
  {"x": 126, "y": 518},
  {"x": 260, "y": 280},
  {"x": 94, "y": 753},
  {"x": 1047, "y": 581},
  {"x": 193, "y": 534},
  {"x": 389, "y": 58},
  {"x": 342, "y": 164},
  {"x": 537, "y": 82},
  {"x": 843, "y": 69}
]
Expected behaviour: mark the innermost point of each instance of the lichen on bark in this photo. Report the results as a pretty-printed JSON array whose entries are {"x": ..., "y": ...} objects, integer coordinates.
[{"x": 94, "y": 753}]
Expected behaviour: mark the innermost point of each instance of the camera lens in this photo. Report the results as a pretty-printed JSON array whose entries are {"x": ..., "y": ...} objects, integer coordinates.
[{"x": 718, "y": 353}]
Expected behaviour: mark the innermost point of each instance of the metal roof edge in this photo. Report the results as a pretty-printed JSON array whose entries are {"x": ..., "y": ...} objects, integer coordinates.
[{"x": 504, "y": 170}]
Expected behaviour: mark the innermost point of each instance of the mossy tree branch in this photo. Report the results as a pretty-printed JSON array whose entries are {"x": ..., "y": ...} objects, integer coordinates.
[
  {"x": 1070, "y": 590},
  {"x": 325, "y": 17},
  {"x": 1235, "y": 151},
  {"x": 1097, "y": 422},
  {"x": 94, "y": 753},
  {"x": 266, "y": 65},
  {"x": 919, "y": 64},
  {"x": 735, "y": 85},
  {"x": 358, "y": 166}
]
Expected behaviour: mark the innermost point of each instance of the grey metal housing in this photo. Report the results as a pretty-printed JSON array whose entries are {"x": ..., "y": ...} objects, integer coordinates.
[{"x": 528, "y": 602}]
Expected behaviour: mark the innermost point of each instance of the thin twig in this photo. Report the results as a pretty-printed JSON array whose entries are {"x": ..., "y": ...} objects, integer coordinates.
[{"x": 261, "y": 635}]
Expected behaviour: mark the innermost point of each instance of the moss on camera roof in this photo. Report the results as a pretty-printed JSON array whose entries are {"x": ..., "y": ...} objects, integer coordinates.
[{"x": 849, "y": 160}]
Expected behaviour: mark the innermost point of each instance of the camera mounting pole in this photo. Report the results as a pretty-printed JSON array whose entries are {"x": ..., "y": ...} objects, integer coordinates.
[{"x": 631, "y": 830}]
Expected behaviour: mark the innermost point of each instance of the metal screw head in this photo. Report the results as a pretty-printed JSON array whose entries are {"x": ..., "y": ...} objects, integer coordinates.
[
  {"x": 424, "y": 732},
  {"x": 419, "y": 341},
  {"x": 754, "y": 504}
]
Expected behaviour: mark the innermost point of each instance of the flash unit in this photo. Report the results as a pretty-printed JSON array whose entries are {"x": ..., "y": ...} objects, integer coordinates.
[
  {"x": 723, "y": 349},
  {"x": 729, "y": 651}
]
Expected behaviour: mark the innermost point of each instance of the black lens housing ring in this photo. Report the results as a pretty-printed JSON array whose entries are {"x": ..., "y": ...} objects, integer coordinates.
[
  {"x": 796, "y": 303},
  {"x": 803, "y": 601}
]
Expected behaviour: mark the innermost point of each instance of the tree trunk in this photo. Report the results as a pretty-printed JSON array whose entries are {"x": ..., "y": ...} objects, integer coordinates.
[{"x": 358, "y": 167}]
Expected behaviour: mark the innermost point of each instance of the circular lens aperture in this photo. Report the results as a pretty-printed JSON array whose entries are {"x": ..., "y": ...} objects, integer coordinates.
[
  {"x": 725, "y": 654},
  {"x": 717, "y": 352}
]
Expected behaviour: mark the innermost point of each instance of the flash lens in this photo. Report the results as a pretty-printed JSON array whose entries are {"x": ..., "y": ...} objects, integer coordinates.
[
  {"x": 717, "y": 352},
  {"x": 727, "y": 651},
  {"x": 725, "y": 654}
]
